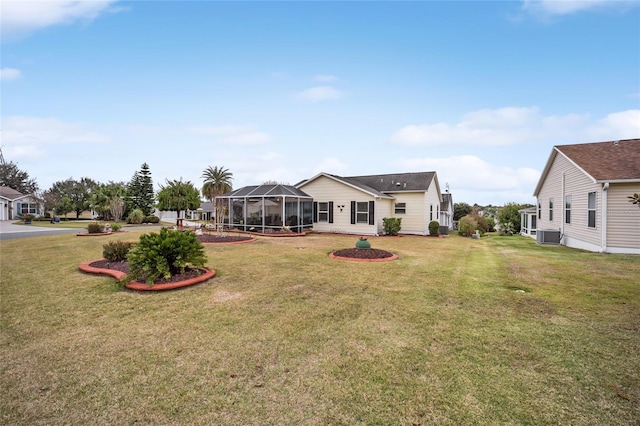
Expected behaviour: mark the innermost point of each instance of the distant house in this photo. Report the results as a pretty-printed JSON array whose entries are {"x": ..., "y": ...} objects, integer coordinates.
[
  {"x": 446, "y": 212},
  {"x": 582, "y": 197},
  {"x": 528, "y": 222},
  {"x": 14, "y": 203},
  {"x": 357, "y": 204}
]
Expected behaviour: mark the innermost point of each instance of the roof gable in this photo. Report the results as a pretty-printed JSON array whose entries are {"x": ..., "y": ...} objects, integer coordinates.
[
  {"x": 606, "y": 161},
  {"x": 600, "y": 161},
  {"x": 383, "y": 185},
  {"x": 10, "y": 193}
]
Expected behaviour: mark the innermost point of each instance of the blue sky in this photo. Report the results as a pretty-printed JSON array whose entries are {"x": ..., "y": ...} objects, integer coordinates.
[{"x": 477, "y": 91}]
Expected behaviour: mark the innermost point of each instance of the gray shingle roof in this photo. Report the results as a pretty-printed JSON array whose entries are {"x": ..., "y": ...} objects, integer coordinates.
[{"x": 10, "y": 193}]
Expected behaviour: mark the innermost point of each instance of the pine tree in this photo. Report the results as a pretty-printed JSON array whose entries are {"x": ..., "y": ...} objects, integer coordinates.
[{"x": 140, "y": 194}]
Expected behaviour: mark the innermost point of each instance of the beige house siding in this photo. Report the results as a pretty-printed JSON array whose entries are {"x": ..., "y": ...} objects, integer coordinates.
[
  {"x": 623, "y": 218},
  {"x": 324, "y": 189},
  {"x": 414, "y": 218},
  {"x": 577, "y": 184}
]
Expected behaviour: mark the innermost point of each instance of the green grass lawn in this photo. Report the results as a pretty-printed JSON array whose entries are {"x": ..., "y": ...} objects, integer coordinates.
[{"x": 455, "y": 332}]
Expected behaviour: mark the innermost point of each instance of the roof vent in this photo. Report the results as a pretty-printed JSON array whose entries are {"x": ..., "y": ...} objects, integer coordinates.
[
  {"x": 398, "y": 184},
  {"x": 615, "y": 143},
  {"x": 405, "y": 184}
]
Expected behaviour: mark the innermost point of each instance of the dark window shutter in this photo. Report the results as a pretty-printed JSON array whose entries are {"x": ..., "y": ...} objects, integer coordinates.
[
  {"x": 330, "y": 211},
  {"x": 353, "y": 212},
  {"x": 372, "y": 207},
  {"x": 315, "y": 212}
]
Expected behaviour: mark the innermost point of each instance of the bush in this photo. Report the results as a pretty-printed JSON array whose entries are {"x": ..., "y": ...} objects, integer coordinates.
[
  {"x": 467, "y": 225},
  {"x": 94, "y": 228},
  {"x": 116, "y": 251},
  {"x": 392, "y": 225},
  {"x": 507, "y": 229},
  {"x": 165, "y": 254},
  {"x": 151, "y": 219},
  {"x": 434, "y": 228},
  {"x": 116, "y": 227},
  {"x": 136, "y": 216}
]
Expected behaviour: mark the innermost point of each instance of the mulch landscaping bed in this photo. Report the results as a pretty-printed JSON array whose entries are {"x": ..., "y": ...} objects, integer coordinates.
[
  {"x": 355, "y": 253},
  {"x": 124, "y": 267},
  {"x": 212, "y": 238}
]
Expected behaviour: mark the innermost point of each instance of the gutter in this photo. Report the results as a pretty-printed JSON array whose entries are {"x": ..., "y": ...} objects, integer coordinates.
[{"x": 603, "y": 218}]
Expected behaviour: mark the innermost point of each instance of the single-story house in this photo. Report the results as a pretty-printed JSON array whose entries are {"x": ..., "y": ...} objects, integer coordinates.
[
  {"x": 583, "y": 197},
  {"x": 14, "y": 203},
  {"x": 357, "y": 204}
]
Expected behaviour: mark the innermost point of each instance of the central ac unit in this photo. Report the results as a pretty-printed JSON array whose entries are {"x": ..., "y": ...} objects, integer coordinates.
[{"x": 548, "y": 236}]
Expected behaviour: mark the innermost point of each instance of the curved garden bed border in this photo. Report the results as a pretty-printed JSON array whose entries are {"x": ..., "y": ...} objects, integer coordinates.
[
  {"x": 135, "y": 285},
  {"x": 355, "y": 259}
]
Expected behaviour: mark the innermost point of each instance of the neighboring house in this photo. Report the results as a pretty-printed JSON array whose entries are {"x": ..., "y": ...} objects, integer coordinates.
[
  {"x": 446, "y": 212},
  {"x": 357, "y": 204},
  {"x": 582, "y": 197},
  {"x": 14, "y": 203}
]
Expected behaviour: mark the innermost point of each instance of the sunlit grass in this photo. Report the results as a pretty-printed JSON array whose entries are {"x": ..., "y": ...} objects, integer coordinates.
[{"x": 456, "y": 331}]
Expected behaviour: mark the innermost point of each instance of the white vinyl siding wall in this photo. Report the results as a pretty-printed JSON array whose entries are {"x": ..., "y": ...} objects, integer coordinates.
[
  {"x": 623, "y": 218},
  {"x": 578, "y": 185}
]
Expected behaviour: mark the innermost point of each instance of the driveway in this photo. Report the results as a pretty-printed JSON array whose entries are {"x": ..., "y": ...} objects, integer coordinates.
[{"x": 9, "y": 231}]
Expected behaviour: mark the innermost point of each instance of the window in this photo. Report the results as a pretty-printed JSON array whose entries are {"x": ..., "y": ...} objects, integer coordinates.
[
  {"x": 550, "y": 209},
  {"x": 539, "y": 210},
  {"x": 591, "y": 210},
  {"x": 567, "y": 209},
  {"x": 362, "y": 212},
  {"x": 27, "y": 208},
  {"x": 431, "y": 212},
  {"x": 401, "y": 208},
  {"x": 323, "y": 212}
]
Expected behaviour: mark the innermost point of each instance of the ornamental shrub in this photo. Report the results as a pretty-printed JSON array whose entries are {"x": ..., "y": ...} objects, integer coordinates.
[
  {"x": 392, "y": 225},
  {"x": 467, "y": 225},
  {"x": 115, "y": 227},
  {"x": 434, "y": 228},
  {"x": 165, "y": 254},
  {"x": 151, "y": 219},
  {"x": 136, "y": 217},
  {"x": 94, "y": 228},
  {"x": 116, "y": 251}
]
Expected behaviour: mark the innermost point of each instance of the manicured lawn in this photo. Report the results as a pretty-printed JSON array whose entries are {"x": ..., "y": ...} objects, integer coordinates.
[{"x": 286, "y": 335}]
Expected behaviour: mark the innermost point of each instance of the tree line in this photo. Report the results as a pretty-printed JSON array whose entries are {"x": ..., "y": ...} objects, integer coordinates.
[{"x": 115, "y": 201}]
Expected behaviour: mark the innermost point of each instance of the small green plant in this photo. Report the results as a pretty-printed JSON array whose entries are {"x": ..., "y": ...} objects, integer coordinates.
[
  {"x": 434, "y": 228},
  {"x": 115, "y": 227},
  {"x": 94, "y": 228},
  {"x": 507, "y": 229},
  {"x": 116, "y": 251},
  {"x": 392, "y": 225},
  {"x": 136, "y": 217},
  {"x": 161, "y": 255},
  {"x": 27, "y": 217}
]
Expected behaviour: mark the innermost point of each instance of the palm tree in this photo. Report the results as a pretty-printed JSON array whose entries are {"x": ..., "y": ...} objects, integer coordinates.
[{"x": 217, "y": 181}]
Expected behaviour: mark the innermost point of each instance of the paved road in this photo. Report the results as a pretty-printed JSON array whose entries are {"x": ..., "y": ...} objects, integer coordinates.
[{"x": 9, "y": 231}]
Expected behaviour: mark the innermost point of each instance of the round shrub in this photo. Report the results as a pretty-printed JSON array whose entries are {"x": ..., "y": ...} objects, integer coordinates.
[
  {"x": 392, "y": 225},
  {"x": 161, "y": 255},
  {"x": 151, "y": 219},
  {"x": 115, "y": 227},
  {"x": 434, "y": 228},
  {"x": 94, "y": 228}
]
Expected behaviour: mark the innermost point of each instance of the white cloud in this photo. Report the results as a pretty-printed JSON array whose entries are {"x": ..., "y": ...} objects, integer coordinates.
[
  {"x": 231, "y": 134},
  {"x": 35, "y": 131},
  {"x": 473, "y": 179},
  {"x": 20, "y": 18},
  {"x": 320, "y": 93},
  {"x": 518, "y": 125},
  {"x": 9, "y": 73},
  {"x": 567, "y": 7},
  {"x": 325, "y": 78}
]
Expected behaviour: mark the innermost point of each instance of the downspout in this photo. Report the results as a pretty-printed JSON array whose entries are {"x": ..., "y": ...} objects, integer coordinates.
[
  {"x": 563, "y": 208},
  {"x": 603, "y": 218}
]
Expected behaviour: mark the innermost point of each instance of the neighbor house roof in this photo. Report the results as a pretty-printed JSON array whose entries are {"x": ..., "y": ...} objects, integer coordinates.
[
  {"x": 382, "y": 185},
  {"x": 612, "y": 161},
  {"x": 10, "y": 193}
]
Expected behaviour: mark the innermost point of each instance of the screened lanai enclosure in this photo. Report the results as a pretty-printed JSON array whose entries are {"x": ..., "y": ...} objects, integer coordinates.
[{"x": 268, "y": 208}]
